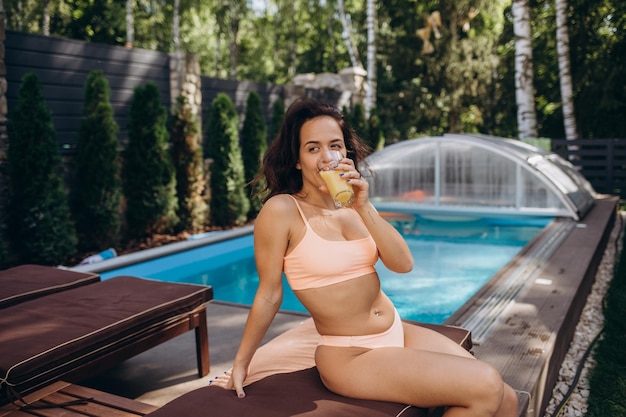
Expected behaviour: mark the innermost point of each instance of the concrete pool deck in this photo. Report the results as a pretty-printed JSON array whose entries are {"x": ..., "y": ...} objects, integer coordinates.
[{"x": 527, "y": 341}]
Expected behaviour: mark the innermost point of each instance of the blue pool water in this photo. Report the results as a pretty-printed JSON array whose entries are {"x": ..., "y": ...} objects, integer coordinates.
[{"x": 453, "y": 259}]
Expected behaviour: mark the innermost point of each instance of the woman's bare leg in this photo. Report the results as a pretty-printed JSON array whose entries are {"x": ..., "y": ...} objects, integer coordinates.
[
  {"x": 425, "y": 339},
  {"x": 434, "y": 372}
]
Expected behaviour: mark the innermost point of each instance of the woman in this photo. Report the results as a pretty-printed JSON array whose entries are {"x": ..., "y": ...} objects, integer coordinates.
[{"x": 328, "y": 256}]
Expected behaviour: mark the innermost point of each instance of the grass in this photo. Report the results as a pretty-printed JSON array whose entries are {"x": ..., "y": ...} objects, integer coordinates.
[{"x": 608, "y": 378}]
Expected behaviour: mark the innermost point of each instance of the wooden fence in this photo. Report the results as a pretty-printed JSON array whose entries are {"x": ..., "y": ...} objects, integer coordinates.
[
  {"x": 601, "y": 161},
  {"x": 62, "y": 66}
]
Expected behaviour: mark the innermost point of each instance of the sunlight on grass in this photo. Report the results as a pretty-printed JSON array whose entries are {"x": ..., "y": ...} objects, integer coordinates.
[{"x": 608, "y": 378}]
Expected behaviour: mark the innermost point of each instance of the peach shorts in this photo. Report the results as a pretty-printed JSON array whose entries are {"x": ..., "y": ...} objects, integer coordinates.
[{"x": 392, "y": 337}]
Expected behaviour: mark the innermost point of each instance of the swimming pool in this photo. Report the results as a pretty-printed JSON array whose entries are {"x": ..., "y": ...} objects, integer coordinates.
[{"x": 454, "y": 257}]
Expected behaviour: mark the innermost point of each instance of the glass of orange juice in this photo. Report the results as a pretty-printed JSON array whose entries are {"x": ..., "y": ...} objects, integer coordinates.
[{"x": 339, "y": 189}]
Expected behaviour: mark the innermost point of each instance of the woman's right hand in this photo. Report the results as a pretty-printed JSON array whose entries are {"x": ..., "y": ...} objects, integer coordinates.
[{"x": 237, "y": 377}]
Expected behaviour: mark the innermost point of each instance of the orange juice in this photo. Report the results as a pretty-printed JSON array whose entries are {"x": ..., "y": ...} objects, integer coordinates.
[{"x": 339, "y": 189}]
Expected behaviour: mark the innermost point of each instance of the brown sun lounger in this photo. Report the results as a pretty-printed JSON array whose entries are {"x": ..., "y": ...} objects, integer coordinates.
[
  {"x": 74, "y": 333},
  {"x": 284, "y": 382},
  {"x": 26, "y": 282}
]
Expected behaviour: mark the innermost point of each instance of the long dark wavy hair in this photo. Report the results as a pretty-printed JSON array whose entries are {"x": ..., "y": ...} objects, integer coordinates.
[{"x": 279, "y": 174}]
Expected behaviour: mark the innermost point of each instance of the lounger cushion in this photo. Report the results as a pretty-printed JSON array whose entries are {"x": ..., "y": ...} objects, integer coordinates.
[
  {"x": 47, "y": 336},
  {"x": 26, "y": 282},
  {"x": 299, "y": 393}
]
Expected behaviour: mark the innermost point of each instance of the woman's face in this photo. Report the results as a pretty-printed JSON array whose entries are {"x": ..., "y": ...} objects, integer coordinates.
[{"x": 318, "y": 136}]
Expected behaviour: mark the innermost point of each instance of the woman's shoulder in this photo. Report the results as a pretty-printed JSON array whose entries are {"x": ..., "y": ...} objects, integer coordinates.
[
  {"x": 279, "y": 205},
  {"x": 281, "y": 201},
  {"x": 277, "y": 214}
]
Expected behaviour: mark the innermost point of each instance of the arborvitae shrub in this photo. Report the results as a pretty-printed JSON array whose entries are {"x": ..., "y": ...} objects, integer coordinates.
[
  {"x": 148, "y": 177},
  {"x": 375, "y": 139},
  {"x": 278, "y": 114},
  {"x": 253, "y": 146},
  {"x": 97, "y": 195},
  {"x": 358, "y": 121},
  {"x": 40, "y": 229},
  {"x": 229, "y": 205},
  {"x": 186, "y": 152}
]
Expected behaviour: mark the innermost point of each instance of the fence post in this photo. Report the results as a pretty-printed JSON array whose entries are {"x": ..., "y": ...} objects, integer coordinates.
[{"x": 353, "y": 79}]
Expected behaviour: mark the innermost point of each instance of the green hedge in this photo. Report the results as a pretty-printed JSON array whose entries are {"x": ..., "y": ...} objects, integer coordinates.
[
  {"x": 186, "y": 153},
  {"x": 97, "y": 194},
  {"x": 278, "y": 114},
  {"x": 253, "y": 146},
  {"x": 148, "y": 177},
  {"x": 40, "y": 229},
  {"x": 229, "y": 205}
]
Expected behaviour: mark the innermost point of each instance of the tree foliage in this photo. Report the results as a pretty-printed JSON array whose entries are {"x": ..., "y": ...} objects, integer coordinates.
[
  {"x": 229, "y": 205},
  {"x": 450, "y": 89},
  {"x": 186, "y": 153},
  {"x": 148, "y": 176},
  {"x": 253, "y": 146},
  {"x": 97, "y": 193},
  {"x": 39, "y": 224},
  {"x": 465, "y": 84},
  {"x": 598, "y": 47}
]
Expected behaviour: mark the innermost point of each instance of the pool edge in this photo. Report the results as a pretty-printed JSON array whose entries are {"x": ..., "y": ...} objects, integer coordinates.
[{"x": 148, "y": 254}]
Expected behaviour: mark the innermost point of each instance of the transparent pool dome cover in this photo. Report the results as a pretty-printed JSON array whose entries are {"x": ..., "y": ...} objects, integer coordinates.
[{"x": 477, "y": 174}]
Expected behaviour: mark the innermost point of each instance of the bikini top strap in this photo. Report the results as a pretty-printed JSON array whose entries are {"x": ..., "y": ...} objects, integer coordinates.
[{"x": 304, "y": 219}]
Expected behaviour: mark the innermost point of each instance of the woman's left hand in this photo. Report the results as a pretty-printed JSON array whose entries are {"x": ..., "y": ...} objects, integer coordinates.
[{"x": 354, "y": 178}]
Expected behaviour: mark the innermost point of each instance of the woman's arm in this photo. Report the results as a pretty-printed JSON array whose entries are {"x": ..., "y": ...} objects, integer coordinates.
[
  {"x": 271, "y": 236},
  {"x": 392, "y": 248}
]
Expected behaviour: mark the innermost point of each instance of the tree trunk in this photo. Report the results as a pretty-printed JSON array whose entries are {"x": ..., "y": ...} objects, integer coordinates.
[
  {"x": 565, "y": 76},
  {"x": 176, "y": 26},
  {"x": 233, "y": 46},
  {"x": 331, "y": 35},
  {"x": 293, "y": 56},
  {"x": 216, "y": 56},
  {"x": 370, "y": 92},
  {"x": 130, "y": 23},
  {"x": 18, "y": 16},
  {"x": 45, "y": 19},
  {"x": 524, "y": 86},
  {"x": 347, "y": 36}
]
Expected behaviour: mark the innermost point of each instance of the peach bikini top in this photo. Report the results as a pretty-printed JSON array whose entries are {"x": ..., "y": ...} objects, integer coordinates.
[{"x": 316, "y": 262}]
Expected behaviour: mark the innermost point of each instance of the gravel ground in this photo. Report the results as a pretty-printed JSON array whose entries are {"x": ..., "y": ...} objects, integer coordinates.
[{"x": 590, "y": 324}]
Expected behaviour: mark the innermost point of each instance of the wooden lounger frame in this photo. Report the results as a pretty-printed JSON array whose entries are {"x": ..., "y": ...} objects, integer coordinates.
[
  {"x": 161, "y": 332},
  {"x": 64, "y": 399}
]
